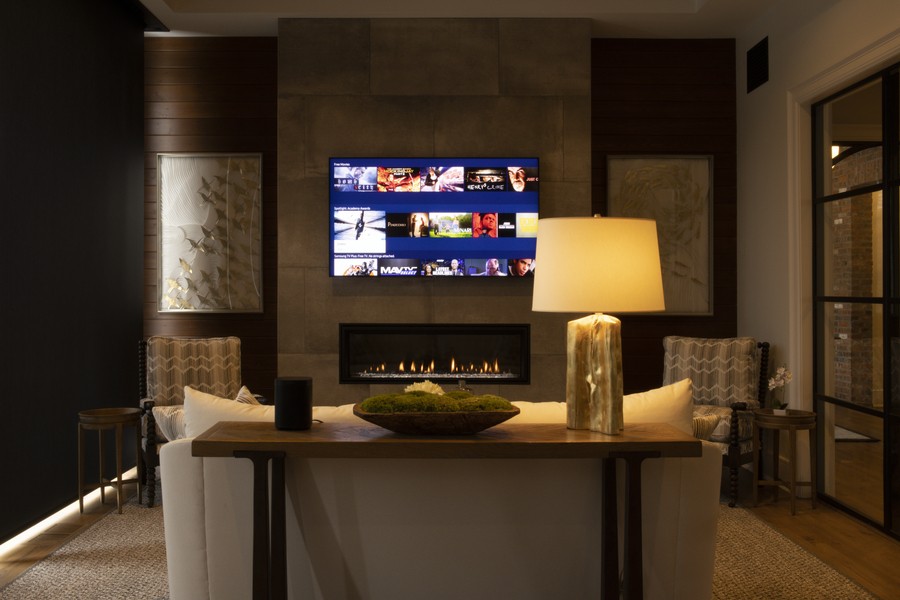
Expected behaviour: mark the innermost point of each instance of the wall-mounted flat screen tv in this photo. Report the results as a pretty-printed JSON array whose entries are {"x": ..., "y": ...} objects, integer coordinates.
[{"x": 433, "y": 217}]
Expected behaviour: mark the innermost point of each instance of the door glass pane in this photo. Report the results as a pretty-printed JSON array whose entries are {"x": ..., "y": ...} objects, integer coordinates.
[
  {"x": 851, "y": 135},
  {"x": 850, "y": 246},
  {"x": 892, "y": 252},
  {"x": 853, "y": 464},
  {"x": 852, "y": 350}
]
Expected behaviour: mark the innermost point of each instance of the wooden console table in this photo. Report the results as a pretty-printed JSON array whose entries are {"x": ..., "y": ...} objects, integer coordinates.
[{"x": 261, "y": 442}]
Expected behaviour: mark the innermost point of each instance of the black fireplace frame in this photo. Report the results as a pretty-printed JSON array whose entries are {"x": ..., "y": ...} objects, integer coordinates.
[{"x": 521, "y": 330}]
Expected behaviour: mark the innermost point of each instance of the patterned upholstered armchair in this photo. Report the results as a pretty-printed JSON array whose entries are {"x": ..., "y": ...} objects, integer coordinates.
[
  {"x": 167, "y": 364},
  {"x": 729, "y": 380}
]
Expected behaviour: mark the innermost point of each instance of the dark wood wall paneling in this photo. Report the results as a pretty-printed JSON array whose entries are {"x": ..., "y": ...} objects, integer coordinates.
[
  {"x": 215, "y": 95},
  {"x": 670, "y": 97}
]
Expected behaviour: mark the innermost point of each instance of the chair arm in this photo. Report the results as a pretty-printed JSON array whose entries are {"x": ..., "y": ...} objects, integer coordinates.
[{"x": 149, "y": 426}]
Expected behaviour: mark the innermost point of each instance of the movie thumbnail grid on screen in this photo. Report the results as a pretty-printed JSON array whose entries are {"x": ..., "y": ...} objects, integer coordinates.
[
  {"x": 438, "y": 178},
  {"x": 484, "y": 224},
  {"x": 438, "y": 267}
]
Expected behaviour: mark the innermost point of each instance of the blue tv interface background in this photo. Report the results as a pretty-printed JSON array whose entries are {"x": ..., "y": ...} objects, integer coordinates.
[{"x": 421, "y": 217}]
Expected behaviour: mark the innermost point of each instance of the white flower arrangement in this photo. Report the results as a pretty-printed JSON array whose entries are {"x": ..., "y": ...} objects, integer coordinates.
[
  {"x": 781, "y": 378},
  {"x": 425, "y": 386}
]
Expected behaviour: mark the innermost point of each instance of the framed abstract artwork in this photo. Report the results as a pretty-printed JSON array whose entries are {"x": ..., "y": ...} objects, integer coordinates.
[
  {"x": 209, "y": 232},
  {"x": 676, "y": 192}
]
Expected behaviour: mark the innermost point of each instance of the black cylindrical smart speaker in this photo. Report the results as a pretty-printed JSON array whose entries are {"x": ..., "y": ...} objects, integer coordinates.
[{"x": 293, "y": 402}]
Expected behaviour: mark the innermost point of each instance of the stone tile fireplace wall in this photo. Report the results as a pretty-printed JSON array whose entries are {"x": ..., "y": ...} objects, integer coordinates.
[{"x": 421, "y": 87}]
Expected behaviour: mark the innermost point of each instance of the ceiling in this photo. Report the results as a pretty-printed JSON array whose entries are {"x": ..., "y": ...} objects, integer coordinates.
[{"x": 610, "y": 18}]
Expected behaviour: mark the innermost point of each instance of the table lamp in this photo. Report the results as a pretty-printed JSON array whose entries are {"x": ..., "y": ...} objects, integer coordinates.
[{"x": 598, "y": 265}]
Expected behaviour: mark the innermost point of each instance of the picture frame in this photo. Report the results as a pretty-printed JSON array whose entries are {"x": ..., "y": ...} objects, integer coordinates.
[
  {"x": 677, "y": 192},
  {"x": 209, "y": 232}
]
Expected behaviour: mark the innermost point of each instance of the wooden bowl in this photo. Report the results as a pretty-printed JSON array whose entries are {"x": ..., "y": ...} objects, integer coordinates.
[{"x": 437, "y": 423}]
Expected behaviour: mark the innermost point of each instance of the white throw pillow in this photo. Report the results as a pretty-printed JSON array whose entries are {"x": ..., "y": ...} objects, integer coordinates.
[
  {"x": 669, "y": 404},
  {"x": 704, "y": 425},
  {"x": 245, "y": 396},
  {"x": 170, "y": 421},
  {"x": 202, "y": 411},
  {"x": 540, "y": 412},
  {"x": 335, "y": 414}
]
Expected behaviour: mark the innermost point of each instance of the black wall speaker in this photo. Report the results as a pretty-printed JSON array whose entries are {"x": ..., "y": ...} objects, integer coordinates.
[
  {"x": 293, "y": 402},
  {"x": 758, "y": 65}
]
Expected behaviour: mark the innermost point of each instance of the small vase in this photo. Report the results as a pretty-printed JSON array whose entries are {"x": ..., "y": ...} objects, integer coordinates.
[{"x": 780, "y": 411}]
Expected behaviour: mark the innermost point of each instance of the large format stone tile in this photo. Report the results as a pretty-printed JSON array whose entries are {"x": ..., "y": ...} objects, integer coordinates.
[
  {"x": 303, "y": 223},
  {"x": 548, "y": 332},
  {"x": 548, "y": 57},
  {"x": 291, "y": 310},
  {"x": 330, "y": 301},
  {"x": 323, "y": 56},
  {"x": 292, "y": 126},
  {"x": 548, "y": 380},
  {"x": 434, "y": 57},
  {"x": 577, "y": 138},
  {"x": 421, "y": 87},
  {"x": 323, "y": 368},
  {"x": 563, "y": 199},
  {"x": 366, "y": 126},
  {"x": 502, "y": 126}
]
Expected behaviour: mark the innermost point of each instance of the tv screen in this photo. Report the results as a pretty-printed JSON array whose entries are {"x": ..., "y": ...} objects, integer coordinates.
[{"x": 433, "y": 217}]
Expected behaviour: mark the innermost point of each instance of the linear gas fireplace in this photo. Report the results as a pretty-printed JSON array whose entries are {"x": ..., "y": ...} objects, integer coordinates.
[{"x": 405, "y": 352}]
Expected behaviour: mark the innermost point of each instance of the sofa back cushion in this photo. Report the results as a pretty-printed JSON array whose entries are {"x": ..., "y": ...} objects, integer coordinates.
[
  {"x": 668, "y": 404},
  {"x": 202, "y": 411}
]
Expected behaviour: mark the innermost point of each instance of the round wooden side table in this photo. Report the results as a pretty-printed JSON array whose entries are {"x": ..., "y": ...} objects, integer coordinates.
[
  {"x": 100, "y": 419},
  {"x": 792, "y": 422}
]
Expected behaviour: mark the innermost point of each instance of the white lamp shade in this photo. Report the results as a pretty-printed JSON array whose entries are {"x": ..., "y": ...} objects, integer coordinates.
[{"x": 597, "y": 264}]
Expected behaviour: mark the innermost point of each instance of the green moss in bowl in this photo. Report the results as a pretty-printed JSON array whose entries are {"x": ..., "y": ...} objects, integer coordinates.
[{"x": 418, "y": 401}]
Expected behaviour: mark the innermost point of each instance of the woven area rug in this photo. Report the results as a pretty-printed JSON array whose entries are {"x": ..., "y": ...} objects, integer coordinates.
[
  {"x": 754, "y": 561},
  {"x": 124, "y": 556},
  {"x": 120, "y": 556}
]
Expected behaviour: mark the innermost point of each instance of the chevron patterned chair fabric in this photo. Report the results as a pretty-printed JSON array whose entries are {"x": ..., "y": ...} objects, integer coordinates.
[
  {"x": 729, "y": 380},
  {"x": 167, "y": 364}
]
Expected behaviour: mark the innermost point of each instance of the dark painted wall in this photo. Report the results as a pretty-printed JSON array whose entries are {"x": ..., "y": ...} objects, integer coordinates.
[{"x": 71, "y": 106}]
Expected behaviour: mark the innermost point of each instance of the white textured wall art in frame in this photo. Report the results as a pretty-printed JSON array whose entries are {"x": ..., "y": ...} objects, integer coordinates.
[
  {"x": 210, "y": 232},
  {"x": 676, "y": 192}
]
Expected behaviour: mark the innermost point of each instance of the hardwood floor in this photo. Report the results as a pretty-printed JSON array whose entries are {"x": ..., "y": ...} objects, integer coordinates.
[{"x": 849, "y": 546}]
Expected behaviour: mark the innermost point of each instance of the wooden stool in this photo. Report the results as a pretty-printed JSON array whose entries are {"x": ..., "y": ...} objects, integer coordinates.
[
  {"x": 109, "y": 418},
  {"x": 794, "y": 420}
]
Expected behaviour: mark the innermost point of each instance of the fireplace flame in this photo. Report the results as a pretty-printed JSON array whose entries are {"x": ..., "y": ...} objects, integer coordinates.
[{"x": 429, "y": 367}]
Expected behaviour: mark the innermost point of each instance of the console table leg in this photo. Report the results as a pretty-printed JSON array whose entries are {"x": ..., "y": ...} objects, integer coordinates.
[
  {"x": 269, "y": 574},
  {"x": 279, "y": 545},
  {"x": 609, "y": 544},
  {"x": 634, "y": 547}
]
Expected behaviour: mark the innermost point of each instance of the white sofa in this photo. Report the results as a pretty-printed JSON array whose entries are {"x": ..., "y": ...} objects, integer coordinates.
[{"x": 432, "y": 528}]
